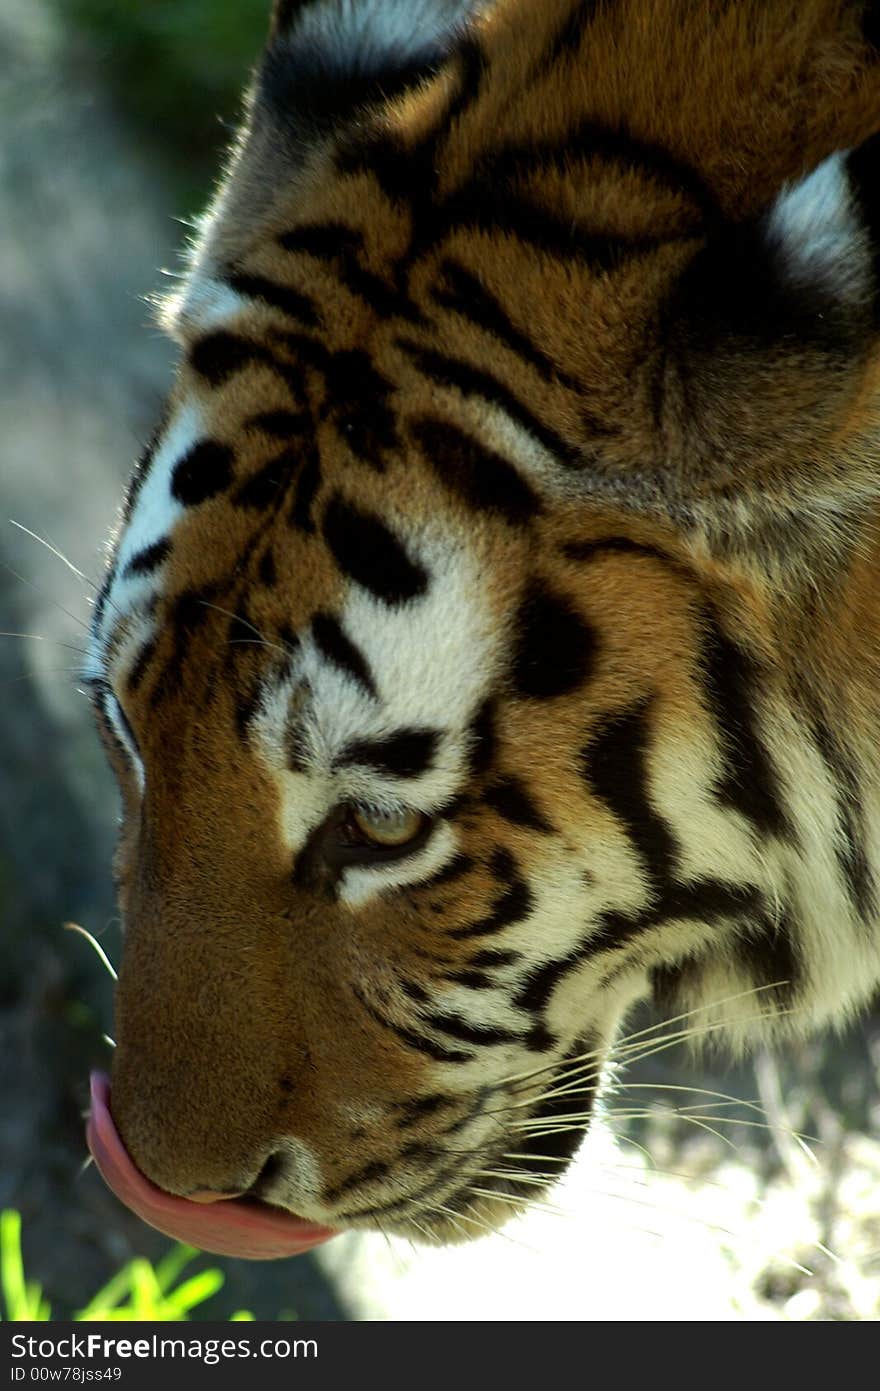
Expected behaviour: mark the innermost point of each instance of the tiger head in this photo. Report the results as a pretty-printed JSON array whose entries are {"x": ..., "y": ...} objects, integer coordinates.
[{"x": 486, "y": 641}]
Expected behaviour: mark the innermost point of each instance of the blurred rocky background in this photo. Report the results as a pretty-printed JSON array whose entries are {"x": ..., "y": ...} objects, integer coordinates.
[{"x": 112, "y": 120}]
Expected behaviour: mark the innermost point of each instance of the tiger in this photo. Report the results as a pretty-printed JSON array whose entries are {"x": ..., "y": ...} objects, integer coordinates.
[{"x": 491, "y": 638}]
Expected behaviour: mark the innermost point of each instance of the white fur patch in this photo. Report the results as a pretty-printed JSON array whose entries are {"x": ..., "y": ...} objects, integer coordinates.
[
  {"x": 202, "y": 304},
  {"x": 154, "y": 516},
  {"x": 120, "y": 729},
  {"x": 299, "y": 1187},
  {"x": 156, "y": 511},
  {"x": 817, "y": 225},
  {"x": 363, "y": 35},
  {"x": 433, "y": 660}
]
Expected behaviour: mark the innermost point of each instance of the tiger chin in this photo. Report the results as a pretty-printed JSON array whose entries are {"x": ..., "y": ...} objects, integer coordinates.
[{"x": 491, "y": 638}]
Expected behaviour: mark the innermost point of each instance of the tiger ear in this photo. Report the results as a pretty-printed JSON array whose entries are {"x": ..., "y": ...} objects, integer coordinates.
[
  {"x": 772, "y": 380},
  {"x": 326, "y": 59},
  {"x": 767, "y": 425}
]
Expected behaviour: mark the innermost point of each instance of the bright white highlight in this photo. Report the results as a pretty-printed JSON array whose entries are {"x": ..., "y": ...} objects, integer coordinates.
[
  {"x": 156, "y": 511},
  {"x": 818, "y": 226}
]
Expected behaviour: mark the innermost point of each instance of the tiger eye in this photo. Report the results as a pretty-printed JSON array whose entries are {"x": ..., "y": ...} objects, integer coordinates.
[{"x": 387, "y": 827}]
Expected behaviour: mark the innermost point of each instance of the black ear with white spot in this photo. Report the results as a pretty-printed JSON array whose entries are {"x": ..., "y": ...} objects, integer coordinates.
[
  {"x": 770, "y": 393},
  {"x": 326, "y": 59},
  {"x": 804, "y": 270}
]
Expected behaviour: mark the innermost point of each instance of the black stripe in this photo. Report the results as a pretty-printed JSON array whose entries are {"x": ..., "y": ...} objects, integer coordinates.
[
  {"x": 366, "y": 550},
  {"x": 491, "y": 200},
  {"x": 290, "y": 302},
  {"x": 674, "y": 983},
  {"x": 414, "y": 991},
  {"x": 850, "y": 849},
  {"x": 189, "y": 612},
  {"x": 590, "y": 140},
  {"x": 300, "y": 515},
  {"x": 534, "y": 994},
  {"x": 284, "y": 425},
  {"x": 702, "y": 900},
  {"x": 368, "y": 1173},
  {"x": 102, "y": 597},
  {"x": 585, "y": 551},
  {"x": 768, "y": 949},
  {"x": 554, "y": 649},
  {"x": 466, "y": 295},
  {"x": 473, "y": 68},
  {"x": 484, "y": 205},
  {"x": 407, "y": 754},
  {"x": 204, "y": 471},
  {"x": 413, "y": 1040},
  {"x": 219, "y": 356},
  {"x": 737, "y": 286},
  {"x": 458, "y": 866},
  {"x": 342, "y": 652},
  {"x": 270, "y": 482},
  {"x": 339, "y": 245},
  {"x": 750, "y": 784},
  {"x": 326, "y": 241},
  {"x": 509, "y": 797},
  {"x": 480, "y": 477},
  {"x": 471, "y": 980},
  {"x": 502, "y": 863},
  {"x": 358, "y": 401},
  {"x": 472, "y": 381},
  {"x": 421, "y": 1106},
  {"x": 480, "y": 1035},
  {"x": 288, "y": 639},
  {"x": 409, "y": 175},
  {"x": 494, "y": 956},
  {"x": 569, "y": 36},
  {"x": 516, "y": 903},
  {"x": 764, "y": 947},
  {"x": 141, "y": 665},
  {"x": 268, "y": 571},
  {"x": 563, "y": 1097},
  {"x": 308, "y": 351},
  {"x": 309, "y": 87},
  {"x": 240, "y": 632},
  {"x": 149, "y": 559},
  {"x": 388, "y": 301},
  {"x": 706, "y": 900},
  {"x": 614, "y": 764}
]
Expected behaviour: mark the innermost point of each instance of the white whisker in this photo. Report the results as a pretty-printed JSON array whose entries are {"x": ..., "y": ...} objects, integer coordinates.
[
  {"x": 95, "y": 945},
  {"x": 276, "y": 647},
  {"x": 43, "y": 595}
]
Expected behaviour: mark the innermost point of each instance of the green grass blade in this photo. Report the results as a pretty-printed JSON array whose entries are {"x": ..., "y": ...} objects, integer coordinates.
[
  {"x": 172, "y": 1263},
  {"x": 195, "y": 1291},
  {"x": 22, "y": 1299}
]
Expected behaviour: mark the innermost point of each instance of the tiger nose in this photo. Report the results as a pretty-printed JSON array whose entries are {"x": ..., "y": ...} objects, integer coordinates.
[{"x": 273, "y": 1166}]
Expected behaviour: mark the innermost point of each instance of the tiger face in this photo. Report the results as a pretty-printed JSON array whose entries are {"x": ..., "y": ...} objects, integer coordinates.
[{"x": 459, "y": 657}]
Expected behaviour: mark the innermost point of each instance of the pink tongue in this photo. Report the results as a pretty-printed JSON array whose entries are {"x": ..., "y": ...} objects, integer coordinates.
[{"x": 237, "y": 1227}]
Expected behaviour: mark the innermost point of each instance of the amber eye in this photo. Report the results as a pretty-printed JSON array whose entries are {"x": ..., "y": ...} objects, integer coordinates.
[{"x": 388, "y": 828}]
